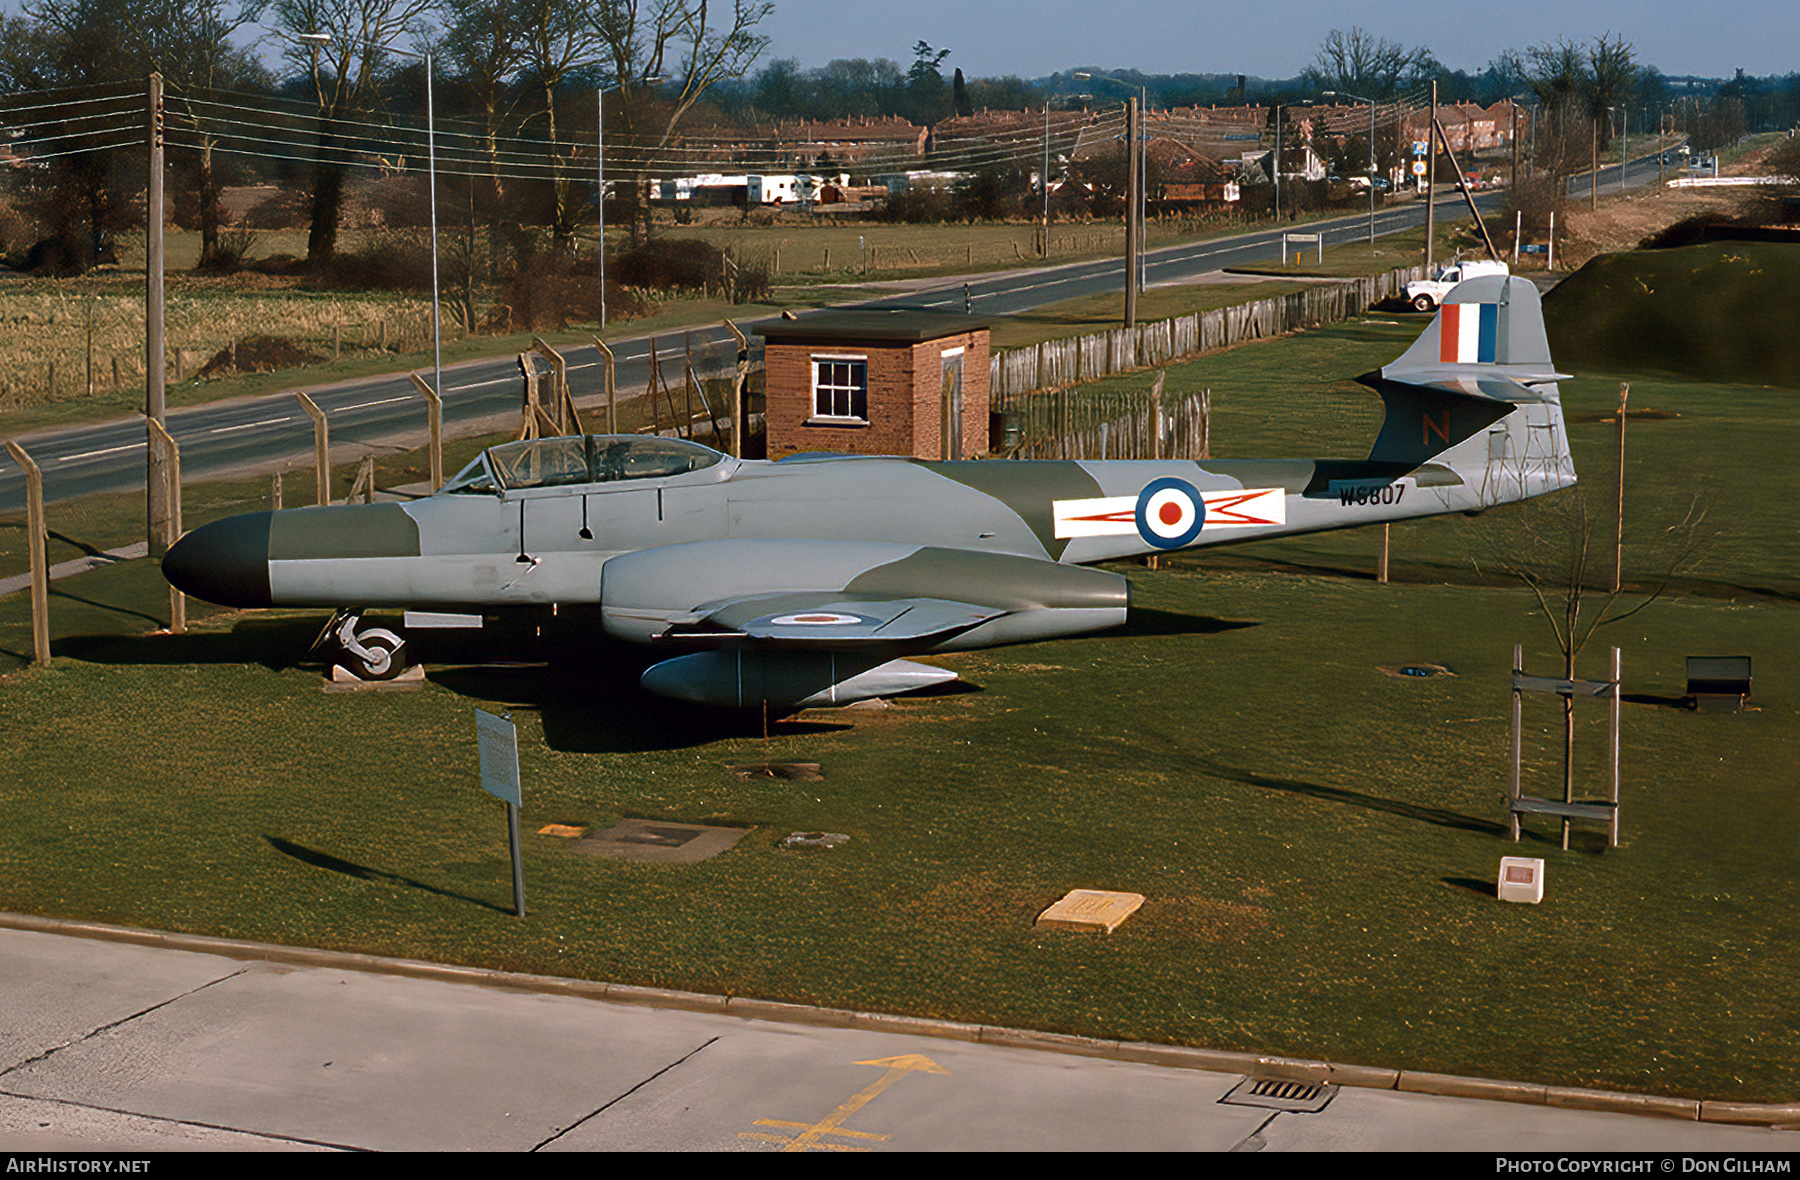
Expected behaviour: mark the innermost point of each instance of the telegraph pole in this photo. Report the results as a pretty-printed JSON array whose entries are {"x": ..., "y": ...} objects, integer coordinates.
[
  {"x": 1134, "y": 242},
  {"x": 1431, "y": 146},
  {"x": 156, "y": 489}
]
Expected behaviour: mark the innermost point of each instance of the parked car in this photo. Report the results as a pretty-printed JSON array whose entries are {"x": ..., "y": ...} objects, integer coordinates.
[{"x": 1426, "y": 294}]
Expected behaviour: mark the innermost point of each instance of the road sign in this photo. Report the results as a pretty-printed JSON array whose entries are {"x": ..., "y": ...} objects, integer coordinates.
[{"x": 1418, "y": 167}]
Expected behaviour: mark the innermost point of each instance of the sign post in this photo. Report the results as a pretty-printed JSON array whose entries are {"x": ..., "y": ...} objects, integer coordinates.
[{"x": 498, "y": 741}]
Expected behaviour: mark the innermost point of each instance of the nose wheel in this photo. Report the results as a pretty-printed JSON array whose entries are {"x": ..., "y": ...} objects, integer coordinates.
[{"x": 368, "y": 653}]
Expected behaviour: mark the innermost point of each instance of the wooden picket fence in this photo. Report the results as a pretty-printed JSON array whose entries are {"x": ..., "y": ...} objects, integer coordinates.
[
  {"x": 1053, "y": 364},
  {"x": 1114, "y": 424}
]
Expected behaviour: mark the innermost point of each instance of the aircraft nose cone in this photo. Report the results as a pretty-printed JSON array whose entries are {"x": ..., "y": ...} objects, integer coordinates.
[{"x": 226, "y": 562}]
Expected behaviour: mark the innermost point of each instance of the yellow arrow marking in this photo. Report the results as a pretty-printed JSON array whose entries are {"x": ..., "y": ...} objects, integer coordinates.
[{"x": 808, "y": 1138}]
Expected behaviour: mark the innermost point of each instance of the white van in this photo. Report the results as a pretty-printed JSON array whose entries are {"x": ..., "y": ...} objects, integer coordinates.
[{"x": 1426, "y": 294}]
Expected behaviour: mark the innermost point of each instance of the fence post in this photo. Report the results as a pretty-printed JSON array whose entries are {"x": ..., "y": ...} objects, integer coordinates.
[
  {"x": 740, "y": 388},
  {"x": 528, "y": 428},
  {"x": 162, "y": 440},
  {"x": 34, "y": 542},
  {"x": 321, "y": 447},
  {"x": 612, "y": 401},
  {"x": 1156, "y": 416},
  {"x": 565, "y": 405},
  {"x": 434, "y": 421}
]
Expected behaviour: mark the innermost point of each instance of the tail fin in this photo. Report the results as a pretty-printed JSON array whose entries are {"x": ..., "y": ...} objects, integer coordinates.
[{"x": 1477, "y": 392}]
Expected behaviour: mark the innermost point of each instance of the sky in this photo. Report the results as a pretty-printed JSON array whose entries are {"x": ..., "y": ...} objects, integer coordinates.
[{"x": 1032, "y": 38}]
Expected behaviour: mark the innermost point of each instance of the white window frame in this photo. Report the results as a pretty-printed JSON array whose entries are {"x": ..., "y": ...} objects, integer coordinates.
[{"x": 849, "y": 390}]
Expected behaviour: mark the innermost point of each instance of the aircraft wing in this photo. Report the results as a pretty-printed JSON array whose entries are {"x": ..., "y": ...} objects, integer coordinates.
[
  {"x": 828, "y": 618},
  {"x": 814, "y": 621}
]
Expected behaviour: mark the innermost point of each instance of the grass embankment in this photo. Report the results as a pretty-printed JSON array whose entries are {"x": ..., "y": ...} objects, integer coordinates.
[
  {"x": 1703, "y": 311},
  {"x": 1316, "y": 839}
]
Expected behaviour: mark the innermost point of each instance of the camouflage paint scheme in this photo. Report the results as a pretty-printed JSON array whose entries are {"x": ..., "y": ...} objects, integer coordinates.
[{"x": 804, "y": 581}]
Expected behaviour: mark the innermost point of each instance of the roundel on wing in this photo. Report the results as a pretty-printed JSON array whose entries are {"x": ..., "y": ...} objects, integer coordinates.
[
  {"x": 817, "y": 619},
  {"x": 1170, "y": 513}
]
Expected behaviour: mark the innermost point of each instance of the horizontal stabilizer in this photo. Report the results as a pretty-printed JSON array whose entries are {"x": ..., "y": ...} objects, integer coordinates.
[{"x": 1426, "y": 420}]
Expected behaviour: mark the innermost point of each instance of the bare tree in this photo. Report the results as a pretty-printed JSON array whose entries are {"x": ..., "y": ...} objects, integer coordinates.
[
  {"x": 561, "y": 36},
  {"x": 684, "y": 41},
  {"x": 189, "y": 42},
  {"x": 1358, "y": 62},
  {"x": 344, "y": 69},
  {"x": 1554, "y": 545},
  {"x": 1577, "y": 86},
  {"x": 695, "y": 44},
  {"x": 485, "y": 46}
]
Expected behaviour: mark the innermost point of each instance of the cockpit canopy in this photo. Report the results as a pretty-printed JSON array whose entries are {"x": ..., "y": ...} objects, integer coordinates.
[{"x": 579, "y": 459}]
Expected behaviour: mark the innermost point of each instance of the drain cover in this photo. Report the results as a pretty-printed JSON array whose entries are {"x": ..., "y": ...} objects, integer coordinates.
[
  {"x": 1281, "y": 1094},
  {"x": 658, "y": 842}
]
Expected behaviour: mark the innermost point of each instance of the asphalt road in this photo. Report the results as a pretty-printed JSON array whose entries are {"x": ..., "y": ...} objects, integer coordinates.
[{"x": 264, "y": 433}]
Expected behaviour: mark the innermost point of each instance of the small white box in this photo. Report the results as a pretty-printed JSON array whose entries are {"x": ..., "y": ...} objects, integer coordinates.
[{"x": 1522, "y": 879}]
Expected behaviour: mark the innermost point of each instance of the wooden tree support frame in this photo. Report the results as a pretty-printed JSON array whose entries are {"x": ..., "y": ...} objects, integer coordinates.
[
  {"x": 37, "y": 533},
  {"x": 1568, "y": 809}
]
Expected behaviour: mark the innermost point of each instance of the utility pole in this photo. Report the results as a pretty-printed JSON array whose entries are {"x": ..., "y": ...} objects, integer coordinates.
[
  {"x": 1593, "y": 176},
  {"x": 1134, "y": 243},
  {"x": 1619, "y": 522},
  {"x": 1044, "y": 187},
  {"x": 1275, "y": 172},
  {"x": 156, "y": 485},
  {"x": 1431, "y": 144}
]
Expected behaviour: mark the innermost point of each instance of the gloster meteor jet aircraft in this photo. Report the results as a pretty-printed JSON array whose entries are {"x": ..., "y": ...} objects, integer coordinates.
[{"x": 809, "y": 580}]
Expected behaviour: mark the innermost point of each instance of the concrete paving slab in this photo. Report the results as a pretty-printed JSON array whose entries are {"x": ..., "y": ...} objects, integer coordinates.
[
  {"x": 767, "y": 1088},
  {"x": 109, "y": 1045},
  {"x": 360, "y": 1060},
  {"x": 59, "y": 990}
]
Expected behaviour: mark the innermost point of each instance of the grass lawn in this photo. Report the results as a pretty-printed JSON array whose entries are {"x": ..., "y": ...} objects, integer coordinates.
[{"x": 1316, "y": 838}]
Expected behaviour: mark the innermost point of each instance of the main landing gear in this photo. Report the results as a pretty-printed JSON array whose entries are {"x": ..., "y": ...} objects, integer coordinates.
[{"x": 368, "y": 653}]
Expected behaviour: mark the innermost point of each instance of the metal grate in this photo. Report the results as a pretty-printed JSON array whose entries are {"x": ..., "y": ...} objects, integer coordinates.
[{"x": 1281, "y": 1094}]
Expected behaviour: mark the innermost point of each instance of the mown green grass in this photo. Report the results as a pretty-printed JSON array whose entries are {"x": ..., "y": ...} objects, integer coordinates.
[{"x": 1316, "y": 839}]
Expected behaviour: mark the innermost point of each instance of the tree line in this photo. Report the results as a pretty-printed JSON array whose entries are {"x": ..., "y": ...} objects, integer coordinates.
[{"x": 518, "y": 89}]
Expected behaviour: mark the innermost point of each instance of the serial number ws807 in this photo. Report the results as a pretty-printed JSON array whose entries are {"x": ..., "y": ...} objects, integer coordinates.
[{"x": 1366, "y": 494}]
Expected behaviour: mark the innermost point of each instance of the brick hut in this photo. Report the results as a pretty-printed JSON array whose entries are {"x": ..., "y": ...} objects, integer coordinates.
[{"x": 877, "y": 383}]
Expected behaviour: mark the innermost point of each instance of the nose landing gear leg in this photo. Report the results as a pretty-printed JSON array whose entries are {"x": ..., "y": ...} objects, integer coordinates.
[{"x": 373, "y": 653}]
